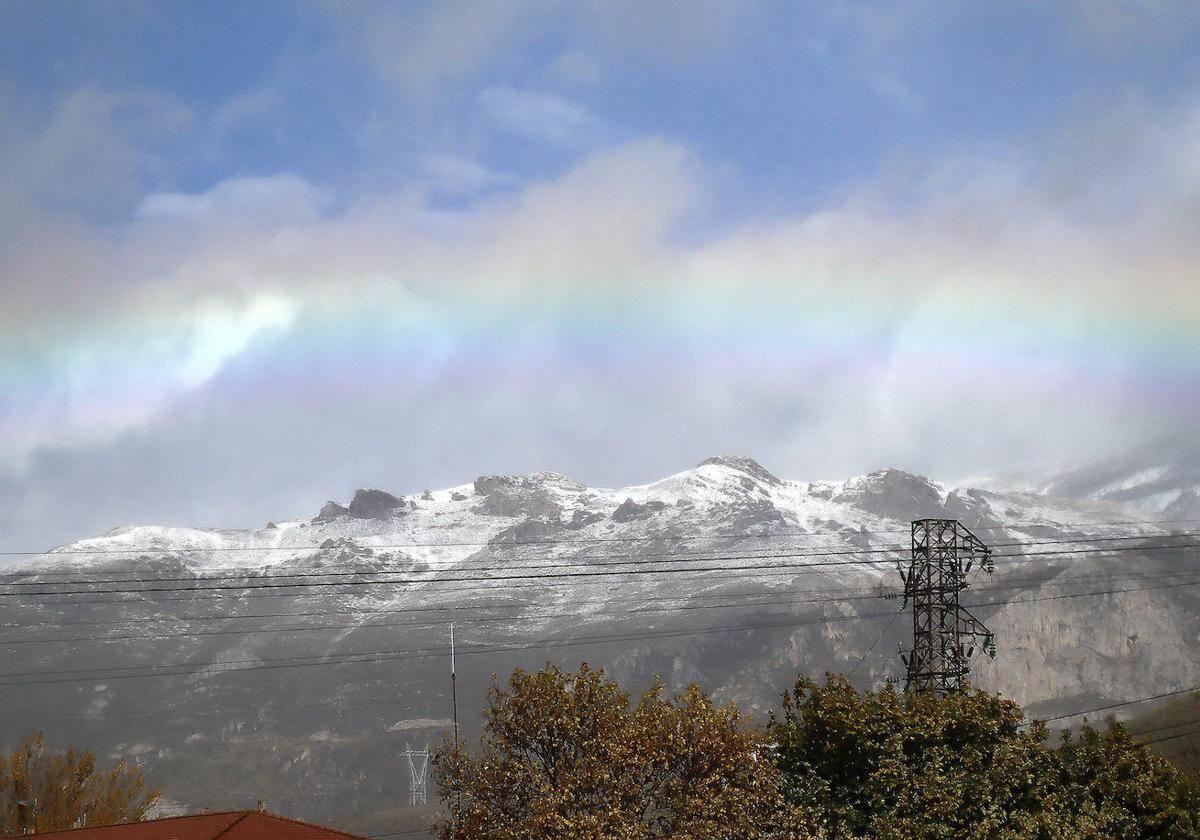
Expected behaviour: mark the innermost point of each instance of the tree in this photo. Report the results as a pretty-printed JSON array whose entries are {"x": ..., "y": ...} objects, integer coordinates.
[
  {"x": 42, "y": 790},
  {"x": 1118, "y": 788},
  {"x": 566, "y": 755},
  {"x": 891, "y": 765}
]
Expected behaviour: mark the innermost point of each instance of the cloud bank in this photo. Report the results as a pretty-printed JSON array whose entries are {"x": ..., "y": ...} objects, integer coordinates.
[{"x": 223, "y": 350}]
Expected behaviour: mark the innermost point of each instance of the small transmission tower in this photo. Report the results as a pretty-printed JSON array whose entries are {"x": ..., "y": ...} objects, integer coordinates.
[
  {"x": 944, "y": 633},
  {"x": 418, "y": 774}
]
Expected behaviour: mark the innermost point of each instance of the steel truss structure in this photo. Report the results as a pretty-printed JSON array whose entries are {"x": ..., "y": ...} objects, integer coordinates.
[
  {"x": 945, "y": 634},
  {"x": 418, "y": 774}
]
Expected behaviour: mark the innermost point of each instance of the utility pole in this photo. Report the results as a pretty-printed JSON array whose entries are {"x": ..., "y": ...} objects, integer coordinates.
[
  {"x": 418, "y": 774},
  {"x": 453, "y": 686},
  {"x": 944, "y": 632}
]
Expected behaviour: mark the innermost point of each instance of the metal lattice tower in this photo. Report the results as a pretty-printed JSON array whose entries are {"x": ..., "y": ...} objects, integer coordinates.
[
  {"x": 418, "y": 774},
  {"x": 944, "y": 633}
]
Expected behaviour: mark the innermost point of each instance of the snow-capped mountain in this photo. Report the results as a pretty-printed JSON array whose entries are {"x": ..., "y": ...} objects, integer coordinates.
[
  {"x": 725, "y": 575},
  {"x": 1160, "y": 478}
]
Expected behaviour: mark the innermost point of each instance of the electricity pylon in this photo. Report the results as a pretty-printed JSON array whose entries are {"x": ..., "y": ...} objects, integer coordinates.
[
  {"x": 945, "y": 634},
  {"x": 418, "y": 774}
]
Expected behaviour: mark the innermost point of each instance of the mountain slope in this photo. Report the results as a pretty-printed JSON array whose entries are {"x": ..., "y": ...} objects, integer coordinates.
[
  {"x": 725, "y": 575},
  {"x": 1161, "y": 478}
]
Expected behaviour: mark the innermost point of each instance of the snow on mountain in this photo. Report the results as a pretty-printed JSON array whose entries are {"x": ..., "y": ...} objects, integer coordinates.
[
  {"x": 1162, "y": 478},
  {"x": 722, "y": 499},
  {"x": 724, "y": 574}
]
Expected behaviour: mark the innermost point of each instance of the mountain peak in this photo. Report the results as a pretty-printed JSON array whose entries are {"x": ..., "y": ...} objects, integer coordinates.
[
  {"x": 488, "y": 484},
  {"x": 366, "y": 504},
  {"x": 374, "y": 504},
  {"x": 893, "y": 493},
  {"x": 744, "y": 464}
]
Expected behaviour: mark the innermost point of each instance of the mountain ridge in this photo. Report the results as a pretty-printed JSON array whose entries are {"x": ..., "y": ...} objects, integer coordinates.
[
  {"x": 724, "y": 574},
  {"x": 882, "y": 496}
]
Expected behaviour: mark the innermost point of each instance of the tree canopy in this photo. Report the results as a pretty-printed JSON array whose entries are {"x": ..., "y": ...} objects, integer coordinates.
[
  {"x": 893, "y": 765},
  {"x": 43, "y": 790},
  {"x": 567, "y": 754}
]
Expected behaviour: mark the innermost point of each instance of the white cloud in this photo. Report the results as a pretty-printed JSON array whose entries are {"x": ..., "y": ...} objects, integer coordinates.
[
  {"x": 1116, "y": 26},
  {"x": 87, "y": 152},
  {"x": 895, "y": 90},
  {"x": 461, "y": 176},
  {"x": 249, "y": 108},
  {"x": 572, "y": 302},
  {"x": 575, "y": 67},
  {"x": 417, "y": 49},
  {"x": 424, "y": 50},
  {"x": 269, "y": 199},
  {"x": 539, "y": 116},
  {"x": 132, "y": 367},
  {"x": 217, "y": 332}
]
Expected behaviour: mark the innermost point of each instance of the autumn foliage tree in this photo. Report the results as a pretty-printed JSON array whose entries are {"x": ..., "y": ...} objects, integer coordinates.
[
  {"x": 568, "y": 755},
  {"x": 893, "y": 765},
  {"x": 43, "y": 790}
]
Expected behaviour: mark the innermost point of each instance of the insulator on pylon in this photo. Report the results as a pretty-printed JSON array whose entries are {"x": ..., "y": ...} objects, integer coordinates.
[{"x": 944, "y": 553}]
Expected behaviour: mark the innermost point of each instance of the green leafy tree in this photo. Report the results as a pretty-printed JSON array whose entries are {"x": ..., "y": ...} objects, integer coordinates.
[
  {"x": 892, "y": 765},
  {"x": 1115, "y": 787},
  {"x": 567, "y": 755},
  {"x": 42, "y": 790}
]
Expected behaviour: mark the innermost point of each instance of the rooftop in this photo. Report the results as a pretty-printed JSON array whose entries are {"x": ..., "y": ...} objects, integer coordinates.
[{"x": 228, "y": 825}]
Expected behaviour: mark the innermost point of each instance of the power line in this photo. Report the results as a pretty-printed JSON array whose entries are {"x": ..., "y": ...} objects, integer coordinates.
[
  {"x": 729, "y": 603},
  {"x": 714, "y": 575},
  {"x": 1173, "y": 737},
  {"x": 409, "y": 654},
  {"x": 875, "y": 643},
  {"x": 575, "y": 540},
  {"x": 261, "y": 664},
  {"x": 1162, "y": 727},
  {"x": 1121, "y": 704},
  {"x": 583, "y": 540},
  {"x": 34, "y": 572},
  {"x": 589, "y": 573},
  {"x": 524, "y": 578},
  {"x": 591, "y": 560},
  {"x": 417, "y": 544},
  {"x": 181, "y": 669},
  {"x": 1015, "y": 582}
]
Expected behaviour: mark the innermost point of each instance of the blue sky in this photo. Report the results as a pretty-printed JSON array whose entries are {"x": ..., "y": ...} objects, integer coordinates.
[
  {"x": 607, "y": 238},
  {"x": 797, "y": 101}
]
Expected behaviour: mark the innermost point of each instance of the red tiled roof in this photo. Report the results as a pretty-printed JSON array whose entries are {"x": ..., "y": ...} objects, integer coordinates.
[{"x": 231, "y": 825}]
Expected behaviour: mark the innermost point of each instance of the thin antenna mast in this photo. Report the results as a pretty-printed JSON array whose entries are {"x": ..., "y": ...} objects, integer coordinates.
[{"x": 453, "y": 684}]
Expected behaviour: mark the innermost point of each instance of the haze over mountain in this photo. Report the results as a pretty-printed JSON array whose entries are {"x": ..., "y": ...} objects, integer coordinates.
[
  {"x": 323, "y": 647},
  {"x": 256, "y": 256}
]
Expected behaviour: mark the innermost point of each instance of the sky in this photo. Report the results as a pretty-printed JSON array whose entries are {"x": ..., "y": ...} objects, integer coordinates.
[{"x": 256, "y": 255}]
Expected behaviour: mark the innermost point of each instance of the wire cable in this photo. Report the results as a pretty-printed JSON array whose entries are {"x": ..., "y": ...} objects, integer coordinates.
[
  {"x": 589, "y": 573},
  {"x": 210, "y": 668},
  {"x": 578, "y": 560}
]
